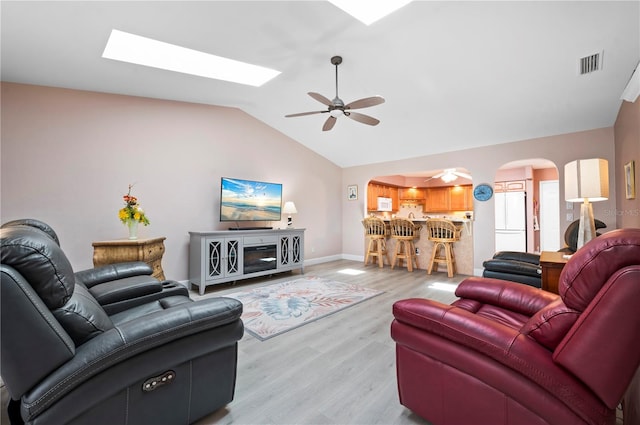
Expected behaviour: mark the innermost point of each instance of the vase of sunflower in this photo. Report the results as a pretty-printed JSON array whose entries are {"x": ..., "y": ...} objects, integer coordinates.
[{"x": 132, "y": 214}]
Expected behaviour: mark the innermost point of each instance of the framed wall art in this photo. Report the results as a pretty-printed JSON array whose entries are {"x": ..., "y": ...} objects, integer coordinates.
[
  {"x": 352, "y": 192},
  {"x": 630, "y": 179}
]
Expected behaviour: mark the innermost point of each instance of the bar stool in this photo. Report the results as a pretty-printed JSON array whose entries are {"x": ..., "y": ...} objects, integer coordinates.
[
  {"x": 404, "y": 232},
  {"x": 376, "y": 230},
  {"x": 443, "y": 233}
]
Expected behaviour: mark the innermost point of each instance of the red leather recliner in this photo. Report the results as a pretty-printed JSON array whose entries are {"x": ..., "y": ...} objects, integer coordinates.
[{"x": 507, "y": 353}]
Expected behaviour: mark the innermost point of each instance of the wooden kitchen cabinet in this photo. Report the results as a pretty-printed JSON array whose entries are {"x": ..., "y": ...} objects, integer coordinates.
[
  {"x": 411, "y": 194},
  {"x": 375, "y": 190},
  {"x": 437, "y": 199},
  {"x": 449, "y": 198},
  {"x": 461, "y": 198}
]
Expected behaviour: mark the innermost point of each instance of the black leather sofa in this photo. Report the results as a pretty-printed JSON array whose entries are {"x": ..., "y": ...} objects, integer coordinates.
[
  {"x": 524, "y": 267},
  {"x": 155, "y": 358}
]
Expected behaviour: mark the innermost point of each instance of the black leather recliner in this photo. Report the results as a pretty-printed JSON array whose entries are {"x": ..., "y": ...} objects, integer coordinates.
[
  {"x": 65, "y": 360},
  {"x": 524, "y": 267}
]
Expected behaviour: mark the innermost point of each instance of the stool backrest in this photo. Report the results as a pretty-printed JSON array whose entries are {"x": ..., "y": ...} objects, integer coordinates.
[
  {"x": 442, "y": 230},
  {"x": 374, "y": 226},
  {"x": 404, "y": 228}
]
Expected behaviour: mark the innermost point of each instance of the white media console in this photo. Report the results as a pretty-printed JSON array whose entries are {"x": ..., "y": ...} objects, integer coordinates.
[{"x": 225, "y": 256}]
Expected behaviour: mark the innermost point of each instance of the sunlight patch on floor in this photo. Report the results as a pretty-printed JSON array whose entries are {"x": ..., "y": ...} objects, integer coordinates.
[
  {"x": 441, "y": 286},
  {"x": 351, "y": 272}
]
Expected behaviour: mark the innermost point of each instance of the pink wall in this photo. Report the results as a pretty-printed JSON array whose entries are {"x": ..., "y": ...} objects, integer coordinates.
[
  {"x": 627, "y": 133},
  {"x": 68, "y": 156}
]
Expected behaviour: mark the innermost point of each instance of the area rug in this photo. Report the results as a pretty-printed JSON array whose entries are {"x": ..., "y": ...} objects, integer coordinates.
[{"x": 271, "y": 310}]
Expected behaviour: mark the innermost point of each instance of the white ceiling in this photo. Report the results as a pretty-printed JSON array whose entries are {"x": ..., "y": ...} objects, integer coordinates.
[{"x": 455, "y": 75}]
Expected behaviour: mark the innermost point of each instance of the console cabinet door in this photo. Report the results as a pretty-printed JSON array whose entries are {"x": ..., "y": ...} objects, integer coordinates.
[
  {"x": 290, "y": 250},
  {"x": 284, "y": 251},
  {"x": 223, "y": 258}
]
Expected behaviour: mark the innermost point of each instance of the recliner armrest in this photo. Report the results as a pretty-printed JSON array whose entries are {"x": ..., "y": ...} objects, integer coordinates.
[
  {"x": 125, "y": 289},
  {"x": 108, "y": 272},
  {"x": 513, "y": 296}
]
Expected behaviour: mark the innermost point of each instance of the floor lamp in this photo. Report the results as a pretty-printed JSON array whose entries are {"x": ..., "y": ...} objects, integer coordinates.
[
  {"x": 586, "y": 181},
  {"x": 289, "y": 208}
]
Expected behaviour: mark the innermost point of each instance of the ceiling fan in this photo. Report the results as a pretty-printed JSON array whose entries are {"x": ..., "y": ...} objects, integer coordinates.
[
  {"x": 449, "y": 175},
  {"x": 336, "y": 107}
]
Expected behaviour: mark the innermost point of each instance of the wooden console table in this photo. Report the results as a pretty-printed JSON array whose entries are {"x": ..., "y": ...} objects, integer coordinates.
[
  {"x": 552, "y": 264},
  {"x": 149, "y": 251}
]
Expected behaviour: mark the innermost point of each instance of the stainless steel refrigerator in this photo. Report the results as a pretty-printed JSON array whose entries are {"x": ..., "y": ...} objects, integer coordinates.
[{"x": 511, "y": 221}]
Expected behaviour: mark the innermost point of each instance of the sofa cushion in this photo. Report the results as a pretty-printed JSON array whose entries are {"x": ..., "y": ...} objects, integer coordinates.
[
  {"x": 39, "y": 259},
  {"x": 82, "y": 317},
  {"x": 549, "y": 325}
]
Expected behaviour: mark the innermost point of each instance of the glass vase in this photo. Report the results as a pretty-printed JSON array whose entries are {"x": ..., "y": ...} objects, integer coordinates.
[{"x": 133, "y": 229}]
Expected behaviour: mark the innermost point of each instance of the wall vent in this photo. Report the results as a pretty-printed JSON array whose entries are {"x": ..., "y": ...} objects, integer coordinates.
[{"x": 591, "y": 63}]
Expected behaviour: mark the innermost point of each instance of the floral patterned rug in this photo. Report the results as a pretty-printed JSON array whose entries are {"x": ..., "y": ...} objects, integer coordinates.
[{"x": 278, "y": 308}]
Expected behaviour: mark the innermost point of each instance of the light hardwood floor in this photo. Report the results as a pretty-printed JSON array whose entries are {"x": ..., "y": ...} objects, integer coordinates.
[{"x": 337, "y": 370}]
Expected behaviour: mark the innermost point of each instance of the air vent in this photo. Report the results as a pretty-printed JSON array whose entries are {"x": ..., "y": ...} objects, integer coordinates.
[{"x": 591, "y": 63}]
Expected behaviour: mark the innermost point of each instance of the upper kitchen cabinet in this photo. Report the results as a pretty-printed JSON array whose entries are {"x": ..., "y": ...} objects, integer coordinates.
[
  {"x": 449, "y": 198},
  {"x": 510, "y": 186},
  {"x": 377, "y": 190},
  {"x": 411, "y": 194}
]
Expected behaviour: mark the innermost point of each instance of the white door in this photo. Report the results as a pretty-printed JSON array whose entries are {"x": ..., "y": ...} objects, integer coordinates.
[{"x": 549, "y": 215}]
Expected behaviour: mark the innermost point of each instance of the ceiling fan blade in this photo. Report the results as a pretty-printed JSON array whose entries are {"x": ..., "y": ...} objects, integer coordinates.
[
  {"x": 320, "y": 98},
  {"x": 365, "y": 119},
  {"x": 464, "y": 175},
  {"x": 365, "y": 103},
  {"x": 329, "y": 123},
  {"x": 436, "y": 176},
  {"x": 304, "y": 113}
]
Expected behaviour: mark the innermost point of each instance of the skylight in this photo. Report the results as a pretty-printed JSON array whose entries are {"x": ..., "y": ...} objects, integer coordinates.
[
  {"x": 133, "y": 48},
  {"x": 369, "y": 11}
]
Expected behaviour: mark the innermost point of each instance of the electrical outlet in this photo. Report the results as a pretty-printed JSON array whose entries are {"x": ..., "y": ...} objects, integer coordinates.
[
  {"x": 417, "y": 251},
  {"x": 569, "y": 205},
  {"x": 569, "y": 216}
]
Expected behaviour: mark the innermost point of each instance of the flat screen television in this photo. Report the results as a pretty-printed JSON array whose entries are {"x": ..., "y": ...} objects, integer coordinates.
[{"x": 248, "y": 200}]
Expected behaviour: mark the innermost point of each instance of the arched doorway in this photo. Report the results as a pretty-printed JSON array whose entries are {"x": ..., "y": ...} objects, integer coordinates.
[{"x": 527, "y": 206}]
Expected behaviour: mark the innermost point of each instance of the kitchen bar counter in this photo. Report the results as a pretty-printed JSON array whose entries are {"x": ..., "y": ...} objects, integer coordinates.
[{"x": 463, "y": 249}]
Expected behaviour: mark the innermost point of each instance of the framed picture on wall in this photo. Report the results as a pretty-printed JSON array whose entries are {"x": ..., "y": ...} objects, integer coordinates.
[
  {"x": 630, "y": 179},
  {"x": 352, "y": 192}
]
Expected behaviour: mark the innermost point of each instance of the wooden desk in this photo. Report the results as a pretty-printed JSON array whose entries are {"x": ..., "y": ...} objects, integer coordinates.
[
  {"x": 124, "y": 250},
  {"x": 552, "y": 264}
]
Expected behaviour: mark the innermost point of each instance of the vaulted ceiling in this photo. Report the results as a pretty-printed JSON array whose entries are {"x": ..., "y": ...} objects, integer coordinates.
[{"x": 455, "y": 75}]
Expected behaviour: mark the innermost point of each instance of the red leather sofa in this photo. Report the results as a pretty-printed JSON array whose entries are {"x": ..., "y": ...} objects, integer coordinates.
[{"x": 507, "y": 353}]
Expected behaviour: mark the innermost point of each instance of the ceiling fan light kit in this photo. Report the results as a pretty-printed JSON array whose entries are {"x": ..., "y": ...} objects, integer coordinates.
[
  {"x": 449, "y": 175},
  {"x": 337, "y": 107}
]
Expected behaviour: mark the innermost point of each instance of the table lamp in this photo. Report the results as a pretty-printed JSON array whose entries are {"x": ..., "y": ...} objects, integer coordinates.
[
  {"x": 586, "y": 181},
  {"x": 289, "y": 208}
]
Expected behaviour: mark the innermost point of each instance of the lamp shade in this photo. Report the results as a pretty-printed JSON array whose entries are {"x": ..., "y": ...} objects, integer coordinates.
[
  {"x": 289, "y": 208},
  {"x": 586, "y": 179}
]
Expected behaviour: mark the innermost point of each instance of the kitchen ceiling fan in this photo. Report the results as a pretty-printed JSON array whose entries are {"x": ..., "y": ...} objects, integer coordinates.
[
  {"x": 449, "y": 175},
  {"x": 337, "y": 107}
]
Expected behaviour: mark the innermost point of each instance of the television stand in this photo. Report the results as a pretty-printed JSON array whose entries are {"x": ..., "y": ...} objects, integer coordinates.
[
  {"x": 250, "y": 228},
  {"x": 225, "y": 256}
]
